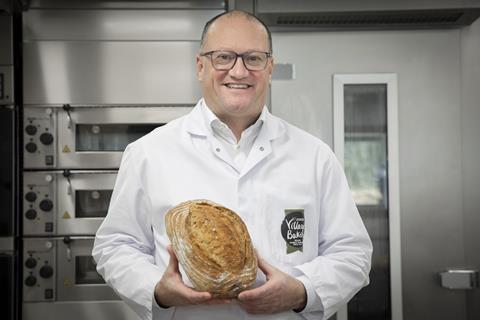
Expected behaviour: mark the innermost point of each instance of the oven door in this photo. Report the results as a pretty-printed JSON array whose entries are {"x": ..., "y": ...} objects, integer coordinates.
[
  {"x": 95, "y": 137},
  {"x": 62, "y": 269},
  {"x": 77, "y": 277},
  {"x": 83, "y": 199}
]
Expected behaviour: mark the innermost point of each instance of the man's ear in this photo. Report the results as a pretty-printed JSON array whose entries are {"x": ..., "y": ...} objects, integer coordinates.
[{"x": 200, "y": 67}]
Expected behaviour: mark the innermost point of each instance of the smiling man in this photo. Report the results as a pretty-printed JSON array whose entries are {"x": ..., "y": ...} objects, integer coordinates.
[
  {"x": 313, "y": 250},
  {"x": 235, "y": 87}
]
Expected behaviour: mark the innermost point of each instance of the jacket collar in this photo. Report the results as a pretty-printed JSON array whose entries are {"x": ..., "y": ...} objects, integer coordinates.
[{"x": 196, "y": 124}]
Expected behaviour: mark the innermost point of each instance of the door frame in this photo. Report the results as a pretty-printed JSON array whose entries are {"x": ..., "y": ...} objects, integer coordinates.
[{"x": 390, "y": 80}]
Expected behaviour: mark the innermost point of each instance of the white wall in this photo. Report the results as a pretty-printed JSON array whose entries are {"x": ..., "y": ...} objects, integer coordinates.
[{"x": 434, "y": 135}]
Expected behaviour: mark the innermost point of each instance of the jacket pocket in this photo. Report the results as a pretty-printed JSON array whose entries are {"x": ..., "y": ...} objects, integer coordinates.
[{"x": 292, "y": 232}]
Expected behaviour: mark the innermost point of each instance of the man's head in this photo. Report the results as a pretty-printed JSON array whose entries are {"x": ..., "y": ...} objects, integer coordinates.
[{"x": 238, "y": 92}]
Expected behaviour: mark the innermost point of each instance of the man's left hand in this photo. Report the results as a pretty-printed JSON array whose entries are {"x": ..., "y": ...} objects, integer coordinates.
[{"x": 281, "y": 292}]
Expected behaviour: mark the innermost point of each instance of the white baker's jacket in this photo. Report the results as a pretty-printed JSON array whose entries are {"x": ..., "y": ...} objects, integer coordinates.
[{"x": 286, "y": 169}]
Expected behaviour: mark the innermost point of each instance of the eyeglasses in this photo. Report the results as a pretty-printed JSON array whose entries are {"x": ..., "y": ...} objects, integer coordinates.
[{"x": 225, "y": 60}]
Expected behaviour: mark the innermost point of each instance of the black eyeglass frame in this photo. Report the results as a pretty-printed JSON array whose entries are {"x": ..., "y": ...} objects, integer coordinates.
[{"x": 210, "y": 53}]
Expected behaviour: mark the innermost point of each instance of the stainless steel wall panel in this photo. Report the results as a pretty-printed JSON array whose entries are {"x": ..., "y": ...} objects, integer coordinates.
[
  {"x": 128, "y": 4},
  {"x": 105, "y": 310},
  {"x": 135, "y": 25},
  {"x": 354, "y": 5},
  {"x": 110, "y": 72}
]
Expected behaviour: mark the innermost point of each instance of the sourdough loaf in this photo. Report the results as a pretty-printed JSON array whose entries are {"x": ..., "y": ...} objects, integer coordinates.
[{"x": 213, "y": 246}]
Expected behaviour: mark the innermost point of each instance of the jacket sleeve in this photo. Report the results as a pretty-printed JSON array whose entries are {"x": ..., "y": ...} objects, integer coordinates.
[
  {"x": 344, "y": 249},
  {"x": 124, "y": 243}
]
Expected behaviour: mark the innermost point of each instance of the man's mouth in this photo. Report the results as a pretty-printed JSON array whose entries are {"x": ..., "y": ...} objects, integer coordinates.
[{"x": 237, "y": 85}]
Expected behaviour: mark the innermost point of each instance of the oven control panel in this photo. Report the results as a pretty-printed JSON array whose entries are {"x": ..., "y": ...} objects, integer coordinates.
[
  {"x": 39, "y": 137},
  {"x": 39, "y": 269},
  {"x": 39, "y": 203}
]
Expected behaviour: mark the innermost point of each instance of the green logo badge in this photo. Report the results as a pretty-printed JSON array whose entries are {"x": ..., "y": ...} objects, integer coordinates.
[{"x": 293, "y": 227}]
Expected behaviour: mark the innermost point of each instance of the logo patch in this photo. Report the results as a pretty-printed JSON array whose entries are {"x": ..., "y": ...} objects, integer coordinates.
[{"x": 293, "y": 227}]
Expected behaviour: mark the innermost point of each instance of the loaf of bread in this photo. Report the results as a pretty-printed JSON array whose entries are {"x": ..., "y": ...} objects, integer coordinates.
[{"x": 213, "y": 246}]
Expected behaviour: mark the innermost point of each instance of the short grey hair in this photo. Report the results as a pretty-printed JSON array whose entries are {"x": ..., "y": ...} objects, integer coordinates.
[{"x": 232, "y": 13}]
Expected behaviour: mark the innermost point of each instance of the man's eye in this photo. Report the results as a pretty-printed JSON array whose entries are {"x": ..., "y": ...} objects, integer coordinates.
[
  {"x": 224, "y": 57},
  {"x": 254, "y": 59}
]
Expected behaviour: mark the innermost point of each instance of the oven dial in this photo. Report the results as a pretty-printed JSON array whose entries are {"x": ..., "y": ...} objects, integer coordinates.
[
  {"x": 31, "y": 147},
  {"x": 46, "y": 205},
  {"x": 31, "y": 214},
  {"x": 46, "y": 271},
  {"x": 46, "y": 138},
  {"x": 31, "y": 196},
  {"x": 31, "y": 129},
  {"x": 30, "y": 281},
  {"x": 31, "y": 263}
]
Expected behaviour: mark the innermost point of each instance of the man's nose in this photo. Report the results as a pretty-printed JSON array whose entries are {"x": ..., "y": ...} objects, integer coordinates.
[{"x": 239, "y": 71}]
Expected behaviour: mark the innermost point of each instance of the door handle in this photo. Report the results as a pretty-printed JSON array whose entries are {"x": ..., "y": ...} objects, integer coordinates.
[{"x": 465, "y": 279}]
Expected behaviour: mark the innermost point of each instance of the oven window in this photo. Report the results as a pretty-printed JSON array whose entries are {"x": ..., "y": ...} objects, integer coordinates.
[
  {"x": 92, "y": 203},
  {"x": 109, "y": 137},
  {"x": 86, "y": 272}
]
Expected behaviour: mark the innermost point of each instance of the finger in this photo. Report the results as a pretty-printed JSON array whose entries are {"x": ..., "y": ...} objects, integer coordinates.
[
  {"x": 193, "y": 296},
  {"x": 254, "y": 294},
  {"x": 173, "y": 262},
  {"x": 218, "y": 301},
  {"x": 266, "y": 268}
]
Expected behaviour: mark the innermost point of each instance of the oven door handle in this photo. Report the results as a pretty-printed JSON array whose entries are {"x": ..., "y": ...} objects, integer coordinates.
[
  {"x": 67, "y": 174},
  {"x": 67, "y": 109}
]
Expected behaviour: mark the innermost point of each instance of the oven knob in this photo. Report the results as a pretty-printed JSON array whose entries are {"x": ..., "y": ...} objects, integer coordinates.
[
  {"x": 31, "y": 129},
  {"x": 46, "y": 271},
  {"x": 31, "y": 196},
  {"x": 31, "y": 147},
  {"x": 31, "y": 214},
  {"x": 46, "y": 138},
  {"x": 46, "y": 205},
  {"x": 31, "y": 263},
  {"x": 30, "y": 281}
]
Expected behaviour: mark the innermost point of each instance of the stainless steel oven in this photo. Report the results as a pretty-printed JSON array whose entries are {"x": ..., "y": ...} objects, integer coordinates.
[
  {"x": 68, "y": 202},
  {"x": 60, "y": 281},
  {"x": 88, "y": 137},
  {"x": 62, "y": 269}
]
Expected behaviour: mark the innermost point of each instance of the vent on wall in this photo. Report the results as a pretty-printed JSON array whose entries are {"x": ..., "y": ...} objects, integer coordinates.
[{"x": 371, "y": 20}]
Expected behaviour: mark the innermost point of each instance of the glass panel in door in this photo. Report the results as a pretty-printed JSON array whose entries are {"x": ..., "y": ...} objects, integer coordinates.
[
  {"x": 92, "y": 203},
  {"x": 365, "y": 161},
  {"x": 108, "y": 137},
  {"x": 86, "y": 271}
]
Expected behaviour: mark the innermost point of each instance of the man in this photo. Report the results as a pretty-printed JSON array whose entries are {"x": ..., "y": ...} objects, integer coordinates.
[{"x": 314, "y": 252}]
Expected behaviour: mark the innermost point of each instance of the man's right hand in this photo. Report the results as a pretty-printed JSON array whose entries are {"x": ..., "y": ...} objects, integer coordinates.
[{"x": 170, "y": 291}]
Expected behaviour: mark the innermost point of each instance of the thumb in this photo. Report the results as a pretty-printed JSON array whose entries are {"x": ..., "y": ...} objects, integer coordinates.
[
  {"x": 266, "y": 268},
  {"x": 173, "y": 262}
]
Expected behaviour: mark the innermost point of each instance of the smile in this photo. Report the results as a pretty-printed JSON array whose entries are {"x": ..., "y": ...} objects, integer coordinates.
[{"x": 237, "y": 85}]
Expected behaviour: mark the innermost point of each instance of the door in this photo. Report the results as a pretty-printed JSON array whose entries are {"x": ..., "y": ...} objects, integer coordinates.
[
  {"x": 366, "y": 142},
  {"x": 83, "y": 199},
  {"x": 439, "y": 153}
]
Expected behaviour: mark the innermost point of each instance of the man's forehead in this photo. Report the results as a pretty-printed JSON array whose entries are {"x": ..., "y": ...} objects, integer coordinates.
[{"x": 234, "y": 24}]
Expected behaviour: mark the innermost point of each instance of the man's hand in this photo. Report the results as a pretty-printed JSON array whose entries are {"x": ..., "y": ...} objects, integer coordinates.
[
  {"x": 171, "y": 291},
  {"x": 281, "y": 292}
]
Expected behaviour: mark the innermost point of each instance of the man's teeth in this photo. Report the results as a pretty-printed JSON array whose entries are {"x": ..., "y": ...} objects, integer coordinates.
[{"x": 237, "y": 86}]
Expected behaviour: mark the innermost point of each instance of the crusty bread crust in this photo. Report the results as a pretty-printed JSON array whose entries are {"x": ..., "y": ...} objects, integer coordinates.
[{"x": 213, "y": 246}]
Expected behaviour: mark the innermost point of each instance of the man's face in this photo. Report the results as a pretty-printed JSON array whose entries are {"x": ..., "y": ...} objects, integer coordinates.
[{"x": 235, "y": 93}]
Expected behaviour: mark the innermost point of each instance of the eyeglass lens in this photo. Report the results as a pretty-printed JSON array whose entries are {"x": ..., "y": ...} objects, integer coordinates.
[{"x": 225, "y": 60}]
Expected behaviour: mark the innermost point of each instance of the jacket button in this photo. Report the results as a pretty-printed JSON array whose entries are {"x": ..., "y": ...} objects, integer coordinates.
[
  {"x": 218, "y": 149},
  {"x": 261, "y": 149}
]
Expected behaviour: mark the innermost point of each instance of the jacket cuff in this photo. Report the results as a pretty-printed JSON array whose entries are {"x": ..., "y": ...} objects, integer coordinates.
[
  {"x": 159, "y": 312},
  {"x": 314, "y": 303}
]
